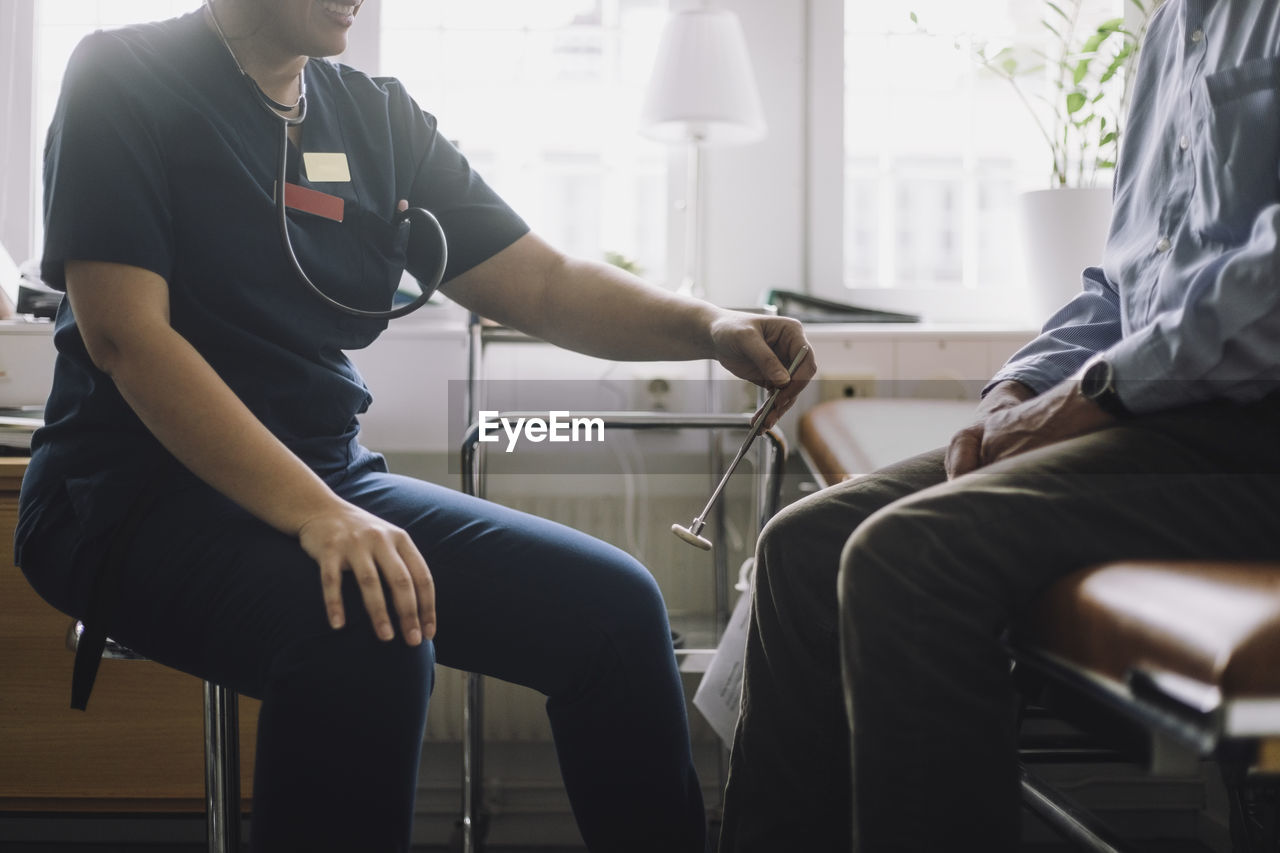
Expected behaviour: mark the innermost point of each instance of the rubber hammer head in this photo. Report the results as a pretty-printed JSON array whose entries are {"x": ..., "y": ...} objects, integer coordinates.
[{"x": 692, "y": 538}]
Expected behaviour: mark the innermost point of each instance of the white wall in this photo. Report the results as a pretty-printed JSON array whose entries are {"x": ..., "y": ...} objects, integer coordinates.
[{"x": 756, "y": 199}]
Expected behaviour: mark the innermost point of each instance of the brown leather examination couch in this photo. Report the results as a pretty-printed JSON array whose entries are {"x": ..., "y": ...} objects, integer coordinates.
[{"x": 1165, "y": 663}]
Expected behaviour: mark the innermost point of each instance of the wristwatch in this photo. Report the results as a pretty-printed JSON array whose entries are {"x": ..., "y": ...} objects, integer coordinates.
[{"x": 1098, "y": 383}]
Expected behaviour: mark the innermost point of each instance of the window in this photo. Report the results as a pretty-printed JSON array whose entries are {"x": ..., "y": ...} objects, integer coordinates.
[
  {"x": 543, "y": 98},
  {"x": 889, "y": 175},
  {"x": 935, "y": 149}
]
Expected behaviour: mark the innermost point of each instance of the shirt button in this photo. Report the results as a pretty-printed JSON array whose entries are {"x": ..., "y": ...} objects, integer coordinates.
[
  {"x": 1184, "y": 142},
  {"x": 1163, "y": 245},
  {"x": 1197, "y": 36}
]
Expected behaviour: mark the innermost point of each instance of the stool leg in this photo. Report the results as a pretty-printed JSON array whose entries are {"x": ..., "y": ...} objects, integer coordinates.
[
  {"x": 473, "y": 765},
  {"x": 221, "y": 769}
]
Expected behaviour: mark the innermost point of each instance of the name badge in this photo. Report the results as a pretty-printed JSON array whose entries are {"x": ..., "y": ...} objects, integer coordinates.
[
  {"x": 326, "y": 167},
  {"x": 313, "y": 201}
]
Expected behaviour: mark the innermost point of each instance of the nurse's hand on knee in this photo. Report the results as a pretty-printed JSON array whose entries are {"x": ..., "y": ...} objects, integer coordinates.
[{"x": 350, "y": 539}]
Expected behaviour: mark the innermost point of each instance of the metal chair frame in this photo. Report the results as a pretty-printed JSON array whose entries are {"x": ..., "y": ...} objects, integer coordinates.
[
  {"x": 221, "y": 752},
  {"x": 1168, "y": 728}
]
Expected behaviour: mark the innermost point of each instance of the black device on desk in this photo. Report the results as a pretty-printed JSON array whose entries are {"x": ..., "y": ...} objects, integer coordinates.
[
  {"x": 812, "y": 309},
  {"x": 38, "y": 299}
]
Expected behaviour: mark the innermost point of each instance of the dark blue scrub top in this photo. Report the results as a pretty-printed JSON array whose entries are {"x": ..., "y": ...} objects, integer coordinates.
[{"x": 161, "y": 157}]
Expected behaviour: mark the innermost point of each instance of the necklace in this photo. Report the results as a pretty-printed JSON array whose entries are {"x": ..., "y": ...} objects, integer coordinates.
[{"x": 300, "y": 104}]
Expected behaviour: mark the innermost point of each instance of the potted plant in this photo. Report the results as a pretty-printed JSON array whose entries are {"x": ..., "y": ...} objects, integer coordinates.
[
  {"x": 1089, "y": 71},
  {"x": 1075, "y": 85}
]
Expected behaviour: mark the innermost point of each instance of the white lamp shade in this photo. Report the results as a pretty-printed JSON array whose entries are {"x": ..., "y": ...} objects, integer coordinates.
[{"x": 702, "y": 88}]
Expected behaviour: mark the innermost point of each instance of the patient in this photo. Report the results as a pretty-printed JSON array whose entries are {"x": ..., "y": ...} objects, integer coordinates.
[{"x": 1142, "y": 422}]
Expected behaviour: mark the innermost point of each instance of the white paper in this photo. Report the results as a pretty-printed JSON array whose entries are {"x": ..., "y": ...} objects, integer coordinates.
[
  {"x": 719, "y": 694},
  {"x": 9, "y": 281}
]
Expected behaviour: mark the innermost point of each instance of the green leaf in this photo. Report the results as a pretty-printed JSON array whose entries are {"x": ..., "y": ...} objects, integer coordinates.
[
  {"x": 915, "y": 20},
  {"x": 1002, "y": 56},
  {"x": 1106, "y": 164},
  {"x": 1120, "y": 60},
  {"x": 1108, "y": 138},
  {"x": 1082, "y": 68},
  {"x": 1075, "y": 101}
]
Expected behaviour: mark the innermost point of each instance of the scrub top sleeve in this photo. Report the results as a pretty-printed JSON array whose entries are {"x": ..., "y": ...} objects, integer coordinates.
[
  {"x": 106, "y": 194},
  {"x": 477, "y": 222}
]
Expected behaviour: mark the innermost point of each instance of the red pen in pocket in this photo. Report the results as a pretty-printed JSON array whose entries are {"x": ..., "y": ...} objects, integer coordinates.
[{"x": 314, "y": 202}]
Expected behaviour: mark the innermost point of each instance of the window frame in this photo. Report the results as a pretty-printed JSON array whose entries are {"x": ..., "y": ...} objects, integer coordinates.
[
  {"x": 17, "y": 135},
  {"x": 826, "y": 199}
]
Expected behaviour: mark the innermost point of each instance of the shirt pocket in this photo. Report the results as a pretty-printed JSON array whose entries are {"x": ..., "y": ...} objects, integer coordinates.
[
  {"x": 383, "y": 247},
  {"x": 357, "y": 263},
  {"x": 1237, "y": 145}
]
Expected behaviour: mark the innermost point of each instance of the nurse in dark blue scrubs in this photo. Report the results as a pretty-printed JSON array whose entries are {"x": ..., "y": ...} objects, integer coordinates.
[{"x": 200, "y": 492}]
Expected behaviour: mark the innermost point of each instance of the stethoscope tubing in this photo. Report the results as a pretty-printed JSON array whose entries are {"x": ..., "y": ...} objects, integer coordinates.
[{"x": 282, "y": 214}]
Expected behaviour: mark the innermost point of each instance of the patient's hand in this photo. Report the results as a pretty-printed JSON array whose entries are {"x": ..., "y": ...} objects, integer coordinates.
[
  {"x": 1057, "y": 415},
  {"x": 964, "y": 452}
]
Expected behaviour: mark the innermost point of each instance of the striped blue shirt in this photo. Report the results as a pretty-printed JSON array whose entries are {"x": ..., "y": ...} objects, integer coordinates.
[{"x": 1186, "y": 304}]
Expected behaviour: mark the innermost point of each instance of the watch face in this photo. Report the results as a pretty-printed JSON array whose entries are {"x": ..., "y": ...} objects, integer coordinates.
[{"x": 1096, "y": 380}]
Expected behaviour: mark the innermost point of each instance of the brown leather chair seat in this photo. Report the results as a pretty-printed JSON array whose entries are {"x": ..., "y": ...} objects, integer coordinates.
[
  {"x": 1206, "y": 627},
  {"x": 840, "y": 439}
]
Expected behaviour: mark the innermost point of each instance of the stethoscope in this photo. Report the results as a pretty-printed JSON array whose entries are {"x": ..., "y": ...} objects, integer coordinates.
[{"x": 281, "y": 112}]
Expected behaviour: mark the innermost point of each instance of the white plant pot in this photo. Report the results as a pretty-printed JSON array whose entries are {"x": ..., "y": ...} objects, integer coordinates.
[{"x": 1063, "y": 232}]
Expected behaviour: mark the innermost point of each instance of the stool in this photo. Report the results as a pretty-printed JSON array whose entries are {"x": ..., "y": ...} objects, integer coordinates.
[{"x": 221, "y": 752}]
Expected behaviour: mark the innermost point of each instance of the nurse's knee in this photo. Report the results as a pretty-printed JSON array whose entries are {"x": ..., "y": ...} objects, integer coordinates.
[
  {"x": 634, "y": 595},
  {"x": 353, "y": 662}
]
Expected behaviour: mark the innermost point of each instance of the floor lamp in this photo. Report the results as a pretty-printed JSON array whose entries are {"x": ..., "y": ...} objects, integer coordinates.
[{"x": 701, "y": 93}]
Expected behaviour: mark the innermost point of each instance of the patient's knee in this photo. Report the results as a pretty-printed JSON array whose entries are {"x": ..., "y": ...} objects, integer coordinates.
[{"x": 890, "y": 556}]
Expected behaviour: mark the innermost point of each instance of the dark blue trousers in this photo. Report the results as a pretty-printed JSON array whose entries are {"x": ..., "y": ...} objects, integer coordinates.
[{"x": 212, "y": 591}]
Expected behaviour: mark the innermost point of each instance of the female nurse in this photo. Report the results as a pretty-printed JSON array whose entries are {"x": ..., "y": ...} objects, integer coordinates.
[{"x": 199, "y": 491}]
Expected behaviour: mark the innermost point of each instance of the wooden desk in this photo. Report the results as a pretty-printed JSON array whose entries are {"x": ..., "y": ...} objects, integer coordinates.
[{"x": 139, "y": 747}]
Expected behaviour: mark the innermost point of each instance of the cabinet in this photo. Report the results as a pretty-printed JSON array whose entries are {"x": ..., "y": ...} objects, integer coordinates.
[{"x": 140, "y": 745}]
